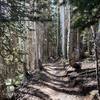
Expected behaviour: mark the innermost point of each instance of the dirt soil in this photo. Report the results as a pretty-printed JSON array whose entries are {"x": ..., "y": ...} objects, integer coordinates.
[{"x": 57, "y": 82}]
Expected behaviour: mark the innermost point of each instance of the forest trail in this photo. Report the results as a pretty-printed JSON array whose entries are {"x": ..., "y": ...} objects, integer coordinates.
[{"x": 53, "y": 83}]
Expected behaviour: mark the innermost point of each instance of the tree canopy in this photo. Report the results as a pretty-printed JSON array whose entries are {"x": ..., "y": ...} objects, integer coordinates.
[{"x": 85, "y": 12}]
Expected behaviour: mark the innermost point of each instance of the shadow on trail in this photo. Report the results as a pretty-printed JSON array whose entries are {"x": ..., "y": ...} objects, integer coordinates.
[
  {"x": 53, "y": 75},
  {"x": 78, "y": 86},
  {"x": 82, "y": 89},
  {"x": 88, "y": 72},
  {"x": 76, "y": 91},
  {"x": 63, "y": 86},
  {"x": 28, "y": 92}
]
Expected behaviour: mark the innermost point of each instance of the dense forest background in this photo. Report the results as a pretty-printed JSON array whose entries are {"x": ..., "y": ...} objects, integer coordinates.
[{"x": 34, "y": 34}]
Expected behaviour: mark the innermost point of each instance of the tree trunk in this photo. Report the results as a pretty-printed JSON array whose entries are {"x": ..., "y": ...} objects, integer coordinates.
[
  {"x": 69, "y": 37},
  {"x": 62, "y": 24},
  {"x": 96, "y": 59},
  {"x": 36, "y": 48},
  {"x": 58, "y": 32},
  {"x": 78, "y": 46}
]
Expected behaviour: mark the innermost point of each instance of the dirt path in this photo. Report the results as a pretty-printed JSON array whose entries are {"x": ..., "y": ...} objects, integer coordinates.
[{"x": 53, "y": 84}]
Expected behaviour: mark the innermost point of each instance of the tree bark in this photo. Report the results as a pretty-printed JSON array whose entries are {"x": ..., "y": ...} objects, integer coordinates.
[
  {"x": 96, "y": 59},
  {"x": 70, "y": 34},
  {"x": 58, "y": 31},
  {"x": 63, "y": 34}
]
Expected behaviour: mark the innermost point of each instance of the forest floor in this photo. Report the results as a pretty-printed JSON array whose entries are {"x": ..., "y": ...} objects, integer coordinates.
[{"x": 57, "y": 82}]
